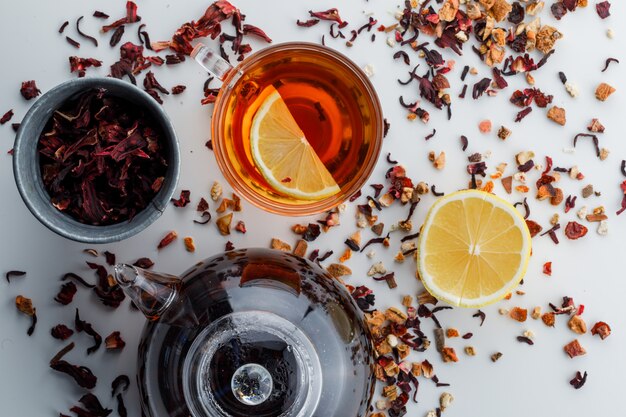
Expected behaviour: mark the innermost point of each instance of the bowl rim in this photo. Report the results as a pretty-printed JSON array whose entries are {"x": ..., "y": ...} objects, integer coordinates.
[{"x": 24, "y": 171}]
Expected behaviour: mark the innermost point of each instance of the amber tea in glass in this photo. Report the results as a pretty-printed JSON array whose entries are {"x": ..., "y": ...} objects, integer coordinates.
[{"x": 330, "y": 98}]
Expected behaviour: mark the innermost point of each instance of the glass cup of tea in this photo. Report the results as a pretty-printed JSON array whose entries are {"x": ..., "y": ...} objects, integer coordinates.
[{"x": 297, "y": 127}]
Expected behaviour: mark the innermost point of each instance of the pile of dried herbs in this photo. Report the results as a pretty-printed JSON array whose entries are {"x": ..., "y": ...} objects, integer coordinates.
[{"x": 102, "y": 158}]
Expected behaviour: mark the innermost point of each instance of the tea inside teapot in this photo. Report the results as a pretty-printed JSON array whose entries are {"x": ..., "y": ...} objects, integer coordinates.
[{"x": 251, "y": 332}]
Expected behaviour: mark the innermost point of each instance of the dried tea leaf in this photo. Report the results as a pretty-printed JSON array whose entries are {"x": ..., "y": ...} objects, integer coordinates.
[
  {"x": 169, "y": 238},
  {"x": 120, "y": 384},
  {"x": 66, "y": 294},
  {"x": 11, "y": 274},
  {"x": 61, "y": 332},
  {"x": 81, "y": 326},
  {"x": 81, "y": 374},
  {"x": 114, "y": 341}
]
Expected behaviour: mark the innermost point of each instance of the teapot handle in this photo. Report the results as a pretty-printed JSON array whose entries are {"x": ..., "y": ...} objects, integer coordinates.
[{"x": 211, "y": 61}]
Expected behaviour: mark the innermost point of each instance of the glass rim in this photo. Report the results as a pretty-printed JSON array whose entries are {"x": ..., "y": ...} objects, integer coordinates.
[{"x": 267, "y": 204}]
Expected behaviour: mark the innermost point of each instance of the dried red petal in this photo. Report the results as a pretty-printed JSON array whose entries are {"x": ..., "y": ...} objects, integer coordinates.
[
  {"x": 558, "y": 10},
  {"x": 169, "y": 238},
  {"x": 203, "y": 205},
  {"x": 82, "y": 325},
  {"x": 207, "y": 25},
  {"x": 79, "y": 65},
  {"x": 547, "y": 268},
  {"x": 131, "y": 17},
  {"x": 6, "y": 117},
  {"x": 178, "y": 89},
  {"x": 575, "y": 230},
  {"x": 523, "y": 113},
  {"x": 29, "y": 90},
  {"x": 145, "y": 263},
  {"x": 330, "y": 14},
  {"x": 579, "y": 380},
  {"x": 533, "y": 227},
  {"x": 92, "y": 405},
  {"x": 61, "y": 332},
  {"x": 114, "y": 341},
  {"x": 81, "y": 374},
  {"x": 240, "y": 227},
  {"x": 66, "y": 294},
  {"x": 251, "y": 29},
  {"x": 183, "y": 200},
  {"x": 603, "y": 9},
  {"x": 602, "y": 329}
]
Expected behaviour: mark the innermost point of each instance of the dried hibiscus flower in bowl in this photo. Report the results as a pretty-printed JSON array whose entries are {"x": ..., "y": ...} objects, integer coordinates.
[{"x": 96, "y": 160}]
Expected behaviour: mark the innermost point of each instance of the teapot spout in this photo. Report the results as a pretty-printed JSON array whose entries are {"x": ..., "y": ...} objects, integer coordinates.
[
  {"x": 211, "y": 61},
  {"x": 153, "y": 293}
]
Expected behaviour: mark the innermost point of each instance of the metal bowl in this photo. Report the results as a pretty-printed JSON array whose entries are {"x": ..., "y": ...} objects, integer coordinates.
[{"x": 27, "y": 171}]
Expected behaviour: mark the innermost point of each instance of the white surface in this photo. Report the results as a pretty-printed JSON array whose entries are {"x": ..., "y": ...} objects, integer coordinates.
[{"x": 528, "y": 380}]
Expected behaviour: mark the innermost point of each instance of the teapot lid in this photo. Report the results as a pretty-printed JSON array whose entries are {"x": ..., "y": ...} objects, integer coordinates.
[{"x": 222, "y": 375}]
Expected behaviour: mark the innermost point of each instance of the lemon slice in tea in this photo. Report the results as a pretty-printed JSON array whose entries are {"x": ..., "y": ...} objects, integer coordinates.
[
  {"x": 473, "y": 249},
  {"x": 283, "y": 155}
]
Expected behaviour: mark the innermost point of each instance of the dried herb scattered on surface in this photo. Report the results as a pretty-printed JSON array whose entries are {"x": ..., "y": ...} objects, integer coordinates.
[
  {"x": 25, "y": 305},
  {"x": 61, "y": 332},
  {"x": 81, "y": 326},
  {"x": 81, "y": 374},
  {"x": 29, "y": 90},
  {"x": 102, "y": 158},
  {"x": 12, "y": 274},
  {"x": 6, "y": 117}
]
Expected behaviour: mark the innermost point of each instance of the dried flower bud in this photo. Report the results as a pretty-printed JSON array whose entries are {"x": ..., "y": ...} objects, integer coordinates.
[
  {"x": 504, "y": 133},
  {"x": 25, "y": 305},
  {"x": 445, "y": 400},
  {"x": 216, "y": 191},
  {"x": 422, "y": 188}
]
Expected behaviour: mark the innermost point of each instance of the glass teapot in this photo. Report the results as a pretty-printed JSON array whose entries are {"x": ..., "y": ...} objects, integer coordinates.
[{"x": 250, "y": 332}]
